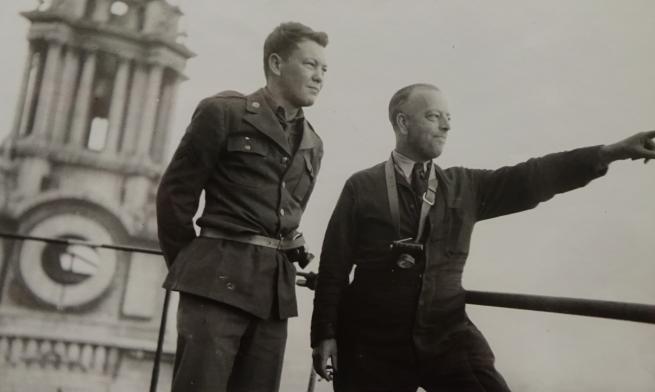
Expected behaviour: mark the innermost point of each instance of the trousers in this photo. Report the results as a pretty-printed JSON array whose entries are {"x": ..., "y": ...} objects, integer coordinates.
[
  {"x": 221, "y": 348},
  {"x": 397, "y": 368}
]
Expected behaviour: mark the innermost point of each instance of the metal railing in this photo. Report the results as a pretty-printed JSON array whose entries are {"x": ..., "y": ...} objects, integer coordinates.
[{"x": 642, "y": 313}]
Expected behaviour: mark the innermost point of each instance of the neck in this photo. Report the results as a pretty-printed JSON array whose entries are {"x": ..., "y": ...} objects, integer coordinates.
[
  {"x": 409, "y": 153},
  {"x": 275, "y": 92}
]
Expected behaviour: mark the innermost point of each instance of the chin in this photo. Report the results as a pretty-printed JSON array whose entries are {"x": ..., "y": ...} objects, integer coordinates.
[
  {"x": 306, "y": 101},
  {"x": 437, "y": 151},
  {"x": 433, "y": 154}
]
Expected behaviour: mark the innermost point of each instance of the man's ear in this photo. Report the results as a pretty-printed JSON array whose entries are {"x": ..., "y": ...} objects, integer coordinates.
[
  {"x": 401, "y": 122},
  {"x": 274, "y": 64}
]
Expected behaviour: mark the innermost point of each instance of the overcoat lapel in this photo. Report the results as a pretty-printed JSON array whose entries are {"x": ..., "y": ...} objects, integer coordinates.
[
  {"x": 445, "y": 188},
  {"x": 445, "y": 185},
  {"x": 259, "y": 115}
]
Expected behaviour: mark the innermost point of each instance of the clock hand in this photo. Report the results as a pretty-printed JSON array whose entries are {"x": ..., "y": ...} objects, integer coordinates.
[{"x": 76, "y": 256}]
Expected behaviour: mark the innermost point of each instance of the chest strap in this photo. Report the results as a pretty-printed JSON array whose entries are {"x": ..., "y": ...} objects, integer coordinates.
[{"x": 428, "y": 198}]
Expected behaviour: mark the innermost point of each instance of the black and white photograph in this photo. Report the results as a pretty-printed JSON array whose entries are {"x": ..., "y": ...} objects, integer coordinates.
[{"x": 318, "y": 196}]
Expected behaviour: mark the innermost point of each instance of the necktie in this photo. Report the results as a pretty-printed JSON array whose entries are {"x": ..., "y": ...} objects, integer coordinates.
[
  {"x": 418, "y": 179},
  {"x": 291, "y": 128}
]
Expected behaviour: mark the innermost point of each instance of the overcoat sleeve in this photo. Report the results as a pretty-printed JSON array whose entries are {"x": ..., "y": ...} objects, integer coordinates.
[
  {"x": 186, "y": 175},
  {"x": 521, "y": 187},
  {"x": 335, "y": 266}
]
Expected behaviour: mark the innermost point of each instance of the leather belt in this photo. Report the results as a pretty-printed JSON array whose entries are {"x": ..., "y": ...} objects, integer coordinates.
[{"x": 255, "y": 239}]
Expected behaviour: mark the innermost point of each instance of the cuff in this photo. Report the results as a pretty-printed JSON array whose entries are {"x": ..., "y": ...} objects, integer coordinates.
[{"x": 321, "y": 332}]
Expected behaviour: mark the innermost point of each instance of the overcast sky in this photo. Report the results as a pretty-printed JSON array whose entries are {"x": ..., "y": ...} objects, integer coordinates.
[{"x": 523, "y": 78}]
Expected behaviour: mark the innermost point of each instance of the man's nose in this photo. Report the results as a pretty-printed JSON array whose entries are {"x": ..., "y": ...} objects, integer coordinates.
[
  {"x": 318, "y": 75},
  {"x": 444, "y": 123}
]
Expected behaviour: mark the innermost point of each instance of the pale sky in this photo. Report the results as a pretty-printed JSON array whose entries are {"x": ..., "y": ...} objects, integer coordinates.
[{"x": 523, "y": 78}]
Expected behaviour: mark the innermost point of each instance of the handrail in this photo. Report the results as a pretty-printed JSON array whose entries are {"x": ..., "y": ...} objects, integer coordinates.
[
  {"x": 626, "y": 311},
  {"x": 642, "y": 313},
  {"x": 580, "y": 307}
]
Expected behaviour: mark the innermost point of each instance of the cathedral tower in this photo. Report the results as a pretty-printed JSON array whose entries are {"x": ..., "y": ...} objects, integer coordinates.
[{"x": 82, "y": 162}]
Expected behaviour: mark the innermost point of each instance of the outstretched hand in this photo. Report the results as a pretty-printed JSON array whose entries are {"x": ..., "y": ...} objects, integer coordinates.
[{"x": 638, "y": 146}]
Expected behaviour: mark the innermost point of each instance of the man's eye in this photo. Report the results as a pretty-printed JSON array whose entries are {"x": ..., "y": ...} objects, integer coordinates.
[{"x": 434, "y": 116}]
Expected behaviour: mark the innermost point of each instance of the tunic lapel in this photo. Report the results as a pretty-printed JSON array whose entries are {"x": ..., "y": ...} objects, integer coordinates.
[
  {"x": 309, "y": 138},
  {"x": 259, "y": 115}
]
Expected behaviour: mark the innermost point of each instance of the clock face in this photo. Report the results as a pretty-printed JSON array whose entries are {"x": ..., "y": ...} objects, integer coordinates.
[
  {"x": 69, "y": 275},
  {"x": 69, "y": 264}
]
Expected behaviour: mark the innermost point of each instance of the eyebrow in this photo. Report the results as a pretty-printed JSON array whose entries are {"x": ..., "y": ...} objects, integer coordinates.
[{"x": 318, "y": 61}]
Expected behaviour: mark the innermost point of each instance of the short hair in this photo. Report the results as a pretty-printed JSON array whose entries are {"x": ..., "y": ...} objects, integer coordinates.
[
  {"x": 401, "y": 96},
  {"x": 284, "y": 39}
]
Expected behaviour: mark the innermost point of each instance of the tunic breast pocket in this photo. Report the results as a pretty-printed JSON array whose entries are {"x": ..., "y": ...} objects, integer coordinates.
[
  {"x": 306, "y": 181},
  {"x": 247, "y": 159}
]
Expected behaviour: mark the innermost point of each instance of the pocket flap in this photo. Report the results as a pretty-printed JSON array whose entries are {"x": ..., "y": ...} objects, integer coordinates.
[{"x": 246, "y": 144}]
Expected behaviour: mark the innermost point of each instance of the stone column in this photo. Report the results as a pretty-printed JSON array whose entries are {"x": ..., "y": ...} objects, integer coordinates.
[
  {"x": 135, "y": 110},
  {"x": 66, "y": 96},
  {"x": 48, "y": 89},
  {"x": 80, "y": 121},
  {"x": 35, "y": 69},
  {"x": 166, "y": 109},
  {"x": 117, "y": 110},
  {"x": 22, "y": 94},
  {"x": 150, "y": 110}
]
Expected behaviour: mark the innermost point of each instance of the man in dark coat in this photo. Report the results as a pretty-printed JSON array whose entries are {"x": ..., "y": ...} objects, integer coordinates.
[
  {"x": 256, "y": 158},
  {"x": 401, "y": 322}
]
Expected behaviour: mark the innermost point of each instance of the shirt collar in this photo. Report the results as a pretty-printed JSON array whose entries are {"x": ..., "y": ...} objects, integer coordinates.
[
  {"x": 279, "y": 111},
  {"x": 405, "y": 164}
]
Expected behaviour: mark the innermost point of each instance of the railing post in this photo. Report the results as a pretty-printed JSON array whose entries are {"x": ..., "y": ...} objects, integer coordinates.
[{"x": 160, "y": 342}]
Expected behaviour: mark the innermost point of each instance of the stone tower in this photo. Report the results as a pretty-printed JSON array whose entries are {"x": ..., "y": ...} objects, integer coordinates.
[{"x": 82, "y": 162}]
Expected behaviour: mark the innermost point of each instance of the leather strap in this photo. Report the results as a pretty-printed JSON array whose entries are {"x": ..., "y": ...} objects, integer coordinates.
[
  {"x": 428, "y": 197},
  {"x": 392, "y": 193},
  {"x": 255, "y": 239}
]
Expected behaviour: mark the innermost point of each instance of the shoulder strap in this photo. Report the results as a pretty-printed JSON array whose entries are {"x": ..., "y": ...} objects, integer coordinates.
[
  {"x": 392, "y": 194},
  {"x": 428, "y": 201}
]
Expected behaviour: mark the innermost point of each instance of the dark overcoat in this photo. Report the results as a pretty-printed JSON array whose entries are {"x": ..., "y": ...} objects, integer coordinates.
[{"x": 361, "y": 229}]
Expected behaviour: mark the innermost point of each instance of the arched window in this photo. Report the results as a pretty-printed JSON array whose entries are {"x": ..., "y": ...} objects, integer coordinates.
[
  {"x": 90, "y": 9},
  {"x": 141, "y": 18},
  {"x": 103, "y": 85}
]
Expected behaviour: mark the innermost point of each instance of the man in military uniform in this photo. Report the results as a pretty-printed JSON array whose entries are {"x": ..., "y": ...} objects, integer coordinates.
[
  {"x": 401, "y": 323},
  {"x": 257, "y": 158}
]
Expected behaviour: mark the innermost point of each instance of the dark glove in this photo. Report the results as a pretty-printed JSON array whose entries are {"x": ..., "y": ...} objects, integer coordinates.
[
  {"x": 310, "y": 280},
  {"x": 300, "y": 255}
]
